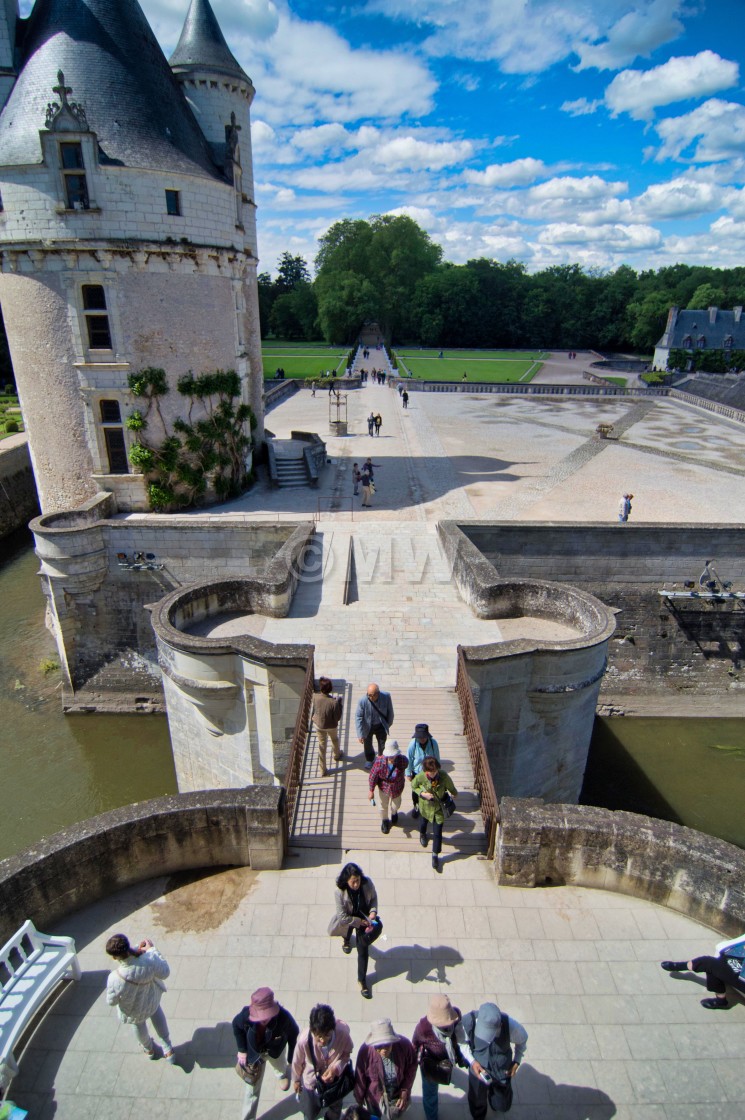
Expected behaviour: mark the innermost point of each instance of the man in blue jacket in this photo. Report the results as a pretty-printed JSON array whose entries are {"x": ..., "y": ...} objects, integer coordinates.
[{"x": 374, "y": 717}]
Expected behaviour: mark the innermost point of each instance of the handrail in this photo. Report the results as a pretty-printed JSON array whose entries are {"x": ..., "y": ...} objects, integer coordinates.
[
  {"x": 349, "y": 572},
  {"x": 482, "y": 778},
  {"x": 297, "y": 749}
]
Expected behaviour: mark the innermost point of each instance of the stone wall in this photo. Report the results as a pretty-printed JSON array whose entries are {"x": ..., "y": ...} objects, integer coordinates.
[
  {"x": 84, "y": 863},
  {"x": 101, "y": 576},
  {"x": 550, "y": 845},
  {"x": 661, "y": 647},
  {"x": 18, "y": 499}
]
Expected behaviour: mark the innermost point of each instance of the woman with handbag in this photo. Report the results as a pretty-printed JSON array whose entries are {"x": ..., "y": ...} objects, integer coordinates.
[
  {"x": 356, "y": 909},
  {"x": 436, "y": 1049},
  {"x": 436, "y": 792},
  {"x": 322, "y": 1072},
  {"x": 385, "y": 1072}
]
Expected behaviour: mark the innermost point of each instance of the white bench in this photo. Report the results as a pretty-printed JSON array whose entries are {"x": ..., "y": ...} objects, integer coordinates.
[{"x": 31, "y": 966}]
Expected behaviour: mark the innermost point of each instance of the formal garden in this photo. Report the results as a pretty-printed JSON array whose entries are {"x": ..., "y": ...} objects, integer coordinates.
[{"x": 11, "y": 420}]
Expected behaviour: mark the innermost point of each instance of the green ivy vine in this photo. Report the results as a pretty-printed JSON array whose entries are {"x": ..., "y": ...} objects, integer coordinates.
[{"x": 196, "y": 453}]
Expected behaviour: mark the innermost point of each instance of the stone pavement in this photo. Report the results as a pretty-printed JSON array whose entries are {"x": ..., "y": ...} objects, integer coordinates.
[{"x": 611, "y": 1035}]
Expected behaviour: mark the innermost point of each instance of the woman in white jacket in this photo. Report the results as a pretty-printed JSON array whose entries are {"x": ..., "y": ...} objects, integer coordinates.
[{"x": 136, "y": 988}]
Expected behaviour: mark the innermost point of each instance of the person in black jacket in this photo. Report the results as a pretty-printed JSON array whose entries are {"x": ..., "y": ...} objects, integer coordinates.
[{"x": 263, "y": 1032}]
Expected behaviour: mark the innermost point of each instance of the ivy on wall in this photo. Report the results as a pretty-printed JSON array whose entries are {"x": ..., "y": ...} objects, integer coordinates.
[
  {"x": 196, "y": 453},
  {"x": 710, "y": 361}
]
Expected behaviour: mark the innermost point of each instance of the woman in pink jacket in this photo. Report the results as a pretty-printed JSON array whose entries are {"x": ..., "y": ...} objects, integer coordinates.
[{"x": 328, "y": 1041}]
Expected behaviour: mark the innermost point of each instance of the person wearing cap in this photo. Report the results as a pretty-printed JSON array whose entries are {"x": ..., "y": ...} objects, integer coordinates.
[
  {"x": 332, "y": 1046},
  {"x": 432, "y": 785},
  {"x": 356, "y": 909},
  {"x": 373, "y": 718},
  {"x": 326, "y": 714},
  {"x": 435, "y": 1045},
  {"x": 385, "y": 1071},
  {"x": 486, "y": 1038},
  {"x": 421, "y": 746},
  {"x": 388, "y": 773},
  {"x": 263, "y": 1031}
]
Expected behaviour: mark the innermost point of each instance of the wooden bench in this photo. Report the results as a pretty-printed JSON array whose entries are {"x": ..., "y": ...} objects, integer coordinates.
[{"x": 32, "y": 964}]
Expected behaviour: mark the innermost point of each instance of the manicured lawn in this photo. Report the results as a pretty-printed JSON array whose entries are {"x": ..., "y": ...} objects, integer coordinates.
[
  {"x": 480, "y": 369},
  {"x": 617, "y": 381},
  {"x": 302, "y": 359},
  {"x": 5, "y": 404},
  {"x": 471, "y": 355}
]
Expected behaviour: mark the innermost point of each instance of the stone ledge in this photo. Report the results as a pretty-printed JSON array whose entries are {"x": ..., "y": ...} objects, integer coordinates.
[
  {"x": 88, "y": 861},
  {"x": 584, "y": 846}
]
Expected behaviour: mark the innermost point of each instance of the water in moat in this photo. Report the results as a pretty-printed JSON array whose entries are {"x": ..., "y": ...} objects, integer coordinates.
[{"x": 57, "y": 769}]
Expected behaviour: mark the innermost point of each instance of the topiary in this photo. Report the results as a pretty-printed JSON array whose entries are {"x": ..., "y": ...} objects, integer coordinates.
[{"x": 12, "y": 426}]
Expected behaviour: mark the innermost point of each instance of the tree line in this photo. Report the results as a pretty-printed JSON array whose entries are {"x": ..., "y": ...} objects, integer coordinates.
[{"x": 388, "y": 270}]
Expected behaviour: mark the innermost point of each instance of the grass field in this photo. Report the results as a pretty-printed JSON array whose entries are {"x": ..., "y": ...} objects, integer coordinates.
[
  {"x": 472, "y": 355},
  {"x": 622, "y": 381},
  {"x": 479, "y": 369},
  {"x": 302, "y": 359}
]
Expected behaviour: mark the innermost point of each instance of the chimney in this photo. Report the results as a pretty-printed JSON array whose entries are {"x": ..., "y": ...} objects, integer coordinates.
[{"x": 712, "y": 314}]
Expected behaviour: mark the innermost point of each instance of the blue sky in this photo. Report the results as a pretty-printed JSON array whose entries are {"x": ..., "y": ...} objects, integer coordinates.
[{"x": 601, "y": 132}]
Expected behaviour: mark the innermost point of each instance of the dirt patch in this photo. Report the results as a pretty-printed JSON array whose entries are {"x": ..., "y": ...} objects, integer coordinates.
[{"x": 198, "y": 901}]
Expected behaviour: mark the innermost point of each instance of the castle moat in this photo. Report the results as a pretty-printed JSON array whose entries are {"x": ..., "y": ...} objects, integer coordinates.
[{"x": 60, "y": 769}]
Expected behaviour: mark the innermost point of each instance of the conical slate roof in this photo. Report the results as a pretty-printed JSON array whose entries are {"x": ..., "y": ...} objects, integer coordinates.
[
  {"x": 202, "y": 43},
  {"x": 117, "y": 73}
]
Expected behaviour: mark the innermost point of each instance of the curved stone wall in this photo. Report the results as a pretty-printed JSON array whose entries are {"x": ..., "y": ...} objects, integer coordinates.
[
  {"x": 688, "y": 871},
  {"x": 80, "y": 865}
]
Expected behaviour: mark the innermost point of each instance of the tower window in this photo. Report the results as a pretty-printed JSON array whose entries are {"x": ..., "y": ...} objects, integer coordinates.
[
  {"x": 96, "y": 319},
  {"x": 73, "y": 173},
  {"x": 173, "y": 203},
  {"x": 116, "y": 446}
]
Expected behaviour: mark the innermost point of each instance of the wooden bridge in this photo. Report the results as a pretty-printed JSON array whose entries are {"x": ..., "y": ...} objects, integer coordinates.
[{"x": 334, "y": 812}]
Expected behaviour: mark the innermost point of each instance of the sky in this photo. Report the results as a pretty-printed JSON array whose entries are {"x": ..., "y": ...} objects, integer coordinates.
[{"x": 601, "y": 132}]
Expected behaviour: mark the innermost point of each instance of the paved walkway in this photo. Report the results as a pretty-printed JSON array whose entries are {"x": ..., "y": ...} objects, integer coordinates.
[{"x": 611, "y": 1035}]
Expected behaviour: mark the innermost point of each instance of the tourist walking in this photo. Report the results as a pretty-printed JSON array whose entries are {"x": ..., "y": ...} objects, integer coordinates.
[
  {"x": 356, "y": 478},
  {"x": 624, "y": 507},
  {"x": 368, "y": 486},
  {"x": 265, "y": 1034},
  {"x": 373, "y": 719},
  {"x": 135, "y": 987},
  {"x": 385, "y": 1071},
  {"x": 404, "y": 398},
  {"x": 378, "y": 423},
  {"x": 371, "y": 423},
  {"x": 436, "y": 792},
  {"x": 721, "y": 972},
  {"x": 356, "y": 912},
  {"x": 321, "y": 1068},
  {"x": 421, "y": 746},
  {"x": 388, "y": 774},
  {"x": 326, "y": 714},
  {"x": 486, "y": 1039},
  {"x": 437, "y": 1050}
]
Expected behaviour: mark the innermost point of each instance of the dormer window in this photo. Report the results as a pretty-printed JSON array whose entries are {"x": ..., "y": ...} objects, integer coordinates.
[
  {"x": 687, "y": 342},
  {"x": 728, "y": 342},
  {"x": 73, "y": 173},
  {"x": 700, "y": 342},
  {"x": 96, "y": 317}
]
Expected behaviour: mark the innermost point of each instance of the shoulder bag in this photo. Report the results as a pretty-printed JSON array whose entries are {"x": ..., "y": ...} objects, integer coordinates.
[{"x": 332, "y": 1092}]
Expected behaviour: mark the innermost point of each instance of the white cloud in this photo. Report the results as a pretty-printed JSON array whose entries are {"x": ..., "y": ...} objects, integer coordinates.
[
  {"x": 581, "y": 107},
  {"x": 572, "y": 189},
  {"x": 632, "y": 239},
  {"x": 407, "y": 152},
  {"x": 639, "y": 92},
  {"x": 518, "y": 173},
  {"x": 718, "y": 126},
  {"x": 681, "y": 197},
  {"x": 322, "y": 139},
  {"x": 528, "y": 36}
]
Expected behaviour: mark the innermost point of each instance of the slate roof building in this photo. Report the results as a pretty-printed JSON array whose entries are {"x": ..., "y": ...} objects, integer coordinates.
[
  {"x": 127, "y": 229},
  {"x": 710, "y": 329}
]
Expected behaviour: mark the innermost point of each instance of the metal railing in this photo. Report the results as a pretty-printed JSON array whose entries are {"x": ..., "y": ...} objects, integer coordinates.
[
  {"x": 297, "y": 750},
  {"x": 482, "y": 778}
]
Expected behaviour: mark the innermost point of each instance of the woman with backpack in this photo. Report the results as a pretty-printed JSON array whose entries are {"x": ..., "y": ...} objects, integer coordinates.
[{"x": 421, "y": 746}]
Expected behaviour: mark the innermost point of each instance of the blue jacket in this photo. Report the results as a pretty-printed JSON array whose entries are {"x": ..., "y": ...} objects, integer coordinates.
[
  {"x": 366, "y": 715},
  {"x": 417, "y": 754}
]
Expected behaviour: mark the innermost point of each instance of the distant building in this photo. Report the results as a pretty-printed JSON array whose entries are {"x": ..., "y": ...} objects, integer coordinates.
[
  {"x": 712, "y": 329},
  {"x": 127, "y": 229}
]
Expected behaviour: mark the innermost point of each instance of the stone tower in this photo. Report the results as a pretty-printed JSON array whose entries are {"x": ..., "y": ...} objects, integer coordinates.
[{"x": 127, "y": 233}]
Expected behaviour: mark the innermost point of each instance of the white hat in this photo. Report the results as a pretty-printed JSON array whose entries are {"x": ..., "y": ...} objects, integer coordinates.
[
  {"x": 390, "y": 750},
  {"x": 381, "y": 1033}
]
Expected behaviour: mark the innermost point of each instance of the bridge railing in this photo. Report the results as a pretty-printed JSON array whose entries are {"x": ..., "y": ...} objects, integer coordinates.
[
  {"x": 482, "y": 778},
  {"x": 297, "y": 749}
]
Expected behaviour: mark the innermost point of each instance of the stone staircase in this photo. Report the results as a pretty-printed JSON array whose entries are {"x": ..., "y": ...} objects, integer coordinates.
[{"x": 291, "y": 473}]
